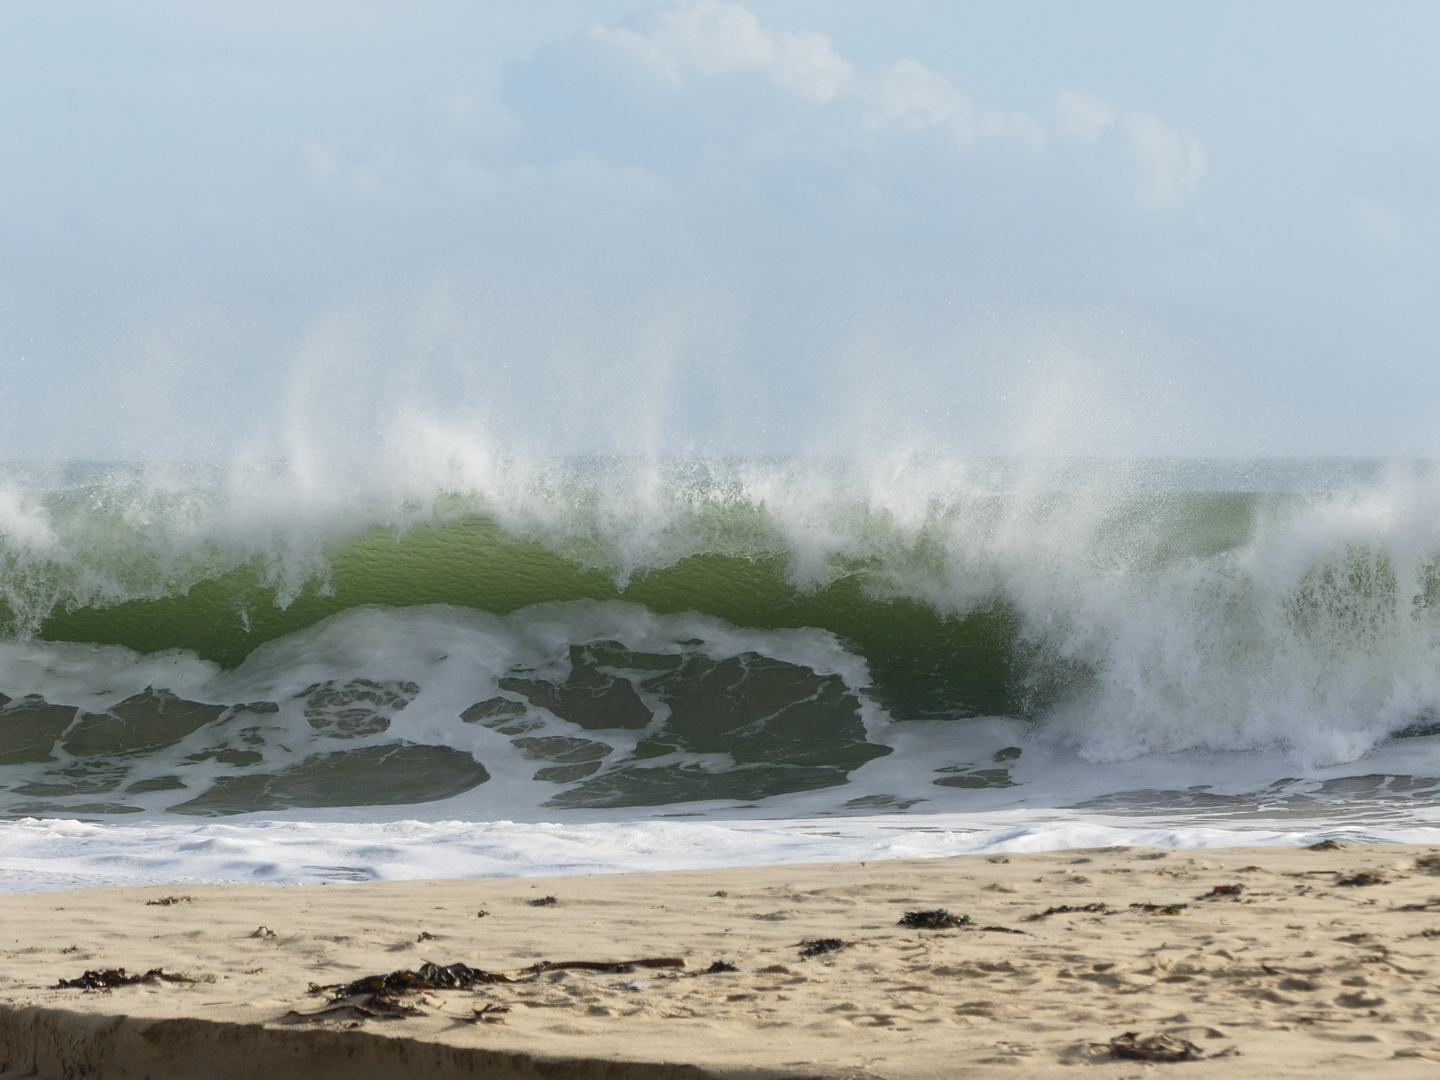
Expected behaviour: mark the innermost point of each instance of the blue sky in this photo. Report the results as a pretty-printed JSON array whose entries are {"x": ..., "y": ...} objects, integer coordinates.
[{"x": 1006, "y": 226}]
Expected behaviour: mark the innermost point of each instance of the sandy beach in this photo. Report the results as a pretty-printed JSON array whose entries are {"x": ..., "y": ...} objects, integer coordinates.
[{"x": 1318, "y": 962}]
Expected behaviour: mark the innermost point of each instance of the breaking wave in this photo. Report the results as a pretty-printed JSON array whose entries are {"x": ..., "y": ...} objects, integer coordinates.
[{"x": 615, "y": 633}]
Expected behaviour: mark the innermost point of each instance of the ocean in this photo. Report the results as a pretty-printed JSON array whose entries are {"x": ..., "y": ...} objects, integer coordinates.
[{"x": 442, "y": 665}]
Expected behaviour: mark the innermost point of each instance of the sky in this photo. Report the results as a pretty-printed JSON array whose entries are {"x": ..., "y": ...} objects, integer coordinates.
[{"x": 982, "y": 226}]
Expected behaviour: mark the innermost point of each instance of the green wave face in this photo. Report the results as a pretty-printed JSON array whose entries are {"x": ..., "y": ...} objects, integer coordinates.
[
  {"x": 936, "y": 647},
  {"x": 923, "y": 664}
]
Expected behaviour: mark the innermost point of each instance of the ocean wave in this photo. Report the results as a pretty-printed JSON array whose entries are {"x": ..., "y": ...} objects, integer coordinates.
[{"x": 1119, "y": 609}]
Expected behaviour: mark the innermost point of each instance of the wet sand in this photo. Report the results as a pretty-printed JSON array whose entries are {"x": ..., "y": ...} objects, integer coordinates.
[{"x": 1322, "y": 963}]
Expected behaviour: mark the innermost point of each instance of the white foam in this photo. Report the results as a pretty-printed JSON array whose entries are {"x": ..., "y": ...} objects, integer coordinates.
[
  {"x": 449, "y": 657},
  {"x": 59, "y": 854}
]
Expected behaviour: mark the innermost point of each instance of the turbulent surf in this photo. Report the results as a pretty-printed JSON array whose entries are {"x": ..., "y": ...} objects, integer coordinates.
[{"x": 747, "y": 636}]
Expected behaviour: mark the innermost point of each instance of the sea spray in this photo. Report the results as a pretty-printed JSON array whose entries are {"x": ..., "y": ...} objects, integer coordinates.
[{"x": 1109, "y": 610}]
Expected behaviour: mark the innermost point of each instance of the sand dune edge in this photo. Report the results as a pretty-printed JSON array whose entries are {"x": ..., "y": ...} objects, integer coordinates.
[{"x": 46, "y": 1042}]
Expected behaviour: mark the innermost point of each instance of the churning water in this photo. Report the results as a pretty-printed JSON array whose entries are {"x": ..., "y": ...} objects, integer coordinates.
[{"x": 449, "y": 635}]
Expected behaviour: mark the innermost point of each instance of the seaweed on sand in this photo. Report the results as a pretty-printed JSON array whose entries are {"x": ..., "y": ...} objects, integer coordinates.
[
  {"x": 113, "y": 977},
  {"x": 1220, "y": 891},
  {"x": 1154, "y": 1048},
  {"x": 939, "y": 919},
  {"x": 1067, "y": 909},
  {"x": 1161, "y": 909},
  {"x": 607, "y": 967},
  {"x": 1364, "y": 877},
  {"x": 376, "y": 997},
  {"x": 428, "y": 977}
]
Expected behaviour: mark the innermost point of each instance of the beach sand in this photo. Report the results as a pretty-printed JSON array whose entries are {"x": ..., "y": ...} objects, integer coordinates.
[{"x": 1324, "y": 964}]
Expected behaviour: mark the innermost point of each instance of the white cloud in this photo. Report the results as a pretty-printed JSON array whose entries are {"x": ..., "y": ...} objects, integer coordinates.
[
  {"x": 908, "y": 97},
  {"x": 1082, "y": 117},
  {"x": 1171, "y": 162},
  {"x": 912, "y": 96},
  {"x": 706, "y": 73},
  {"x": 708, "y": 38},
  {"x": 705, "y": 93}
]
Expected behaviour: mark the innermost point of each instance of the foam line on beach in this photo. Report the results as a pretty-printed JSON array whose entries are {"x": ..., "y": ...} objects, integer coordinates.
[{"x": 52, "y": 854}]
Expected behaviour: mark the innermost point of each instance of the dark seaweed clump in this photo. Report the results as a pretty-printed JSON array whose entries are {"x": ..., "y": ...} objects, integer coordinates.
[
  {"x": 1365, "y": 877},
  {"x": 1224, "y": 890},
  {"x": 1161, "y": 909},
  {"x": 1066, "y": 909},
  {"x": 939, "y": 919},
  {"x": 1159, "y": 1047},
  {"x": 106, "y": 980},
  {"x": 428, "y": 977}
]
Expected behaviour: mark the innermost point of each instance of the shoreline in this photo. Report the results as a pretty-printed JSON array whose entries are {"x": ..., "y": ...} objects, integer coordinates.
[
  {"x": 50, "y": 854},
  {"x": 1320, "y": 960}
]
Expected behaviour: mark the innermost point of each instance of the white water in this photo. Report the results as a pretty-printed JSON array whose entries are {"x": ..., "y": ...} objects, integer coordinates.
[
  {"x": 436, "y": 661},
  {"x": 43, "y": 855},
  {"x": 447, "y": 659},
  {"x": 1261, "y": 673}
]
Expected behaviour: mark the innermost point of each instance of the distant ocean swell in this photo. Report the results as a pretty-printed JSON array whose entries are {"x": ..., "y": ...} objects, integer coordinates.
[{"x": 614, "y": 634}]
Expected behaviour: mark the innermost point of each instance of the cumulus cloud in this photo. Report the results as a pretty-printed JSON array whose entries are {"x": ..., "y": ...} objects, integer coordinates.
[
  {"x": 678, "y": 107},
  {"x": 911, "y": 95},
  {"x": 1171, "y": 162},
  {"x": 659, "y": 86},
  {"x": 1082, "y": 117},
  {"x": 907, "y": 97},
  {"x": 665, "y": 82},
  {"x": 708, "y": 38}
]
